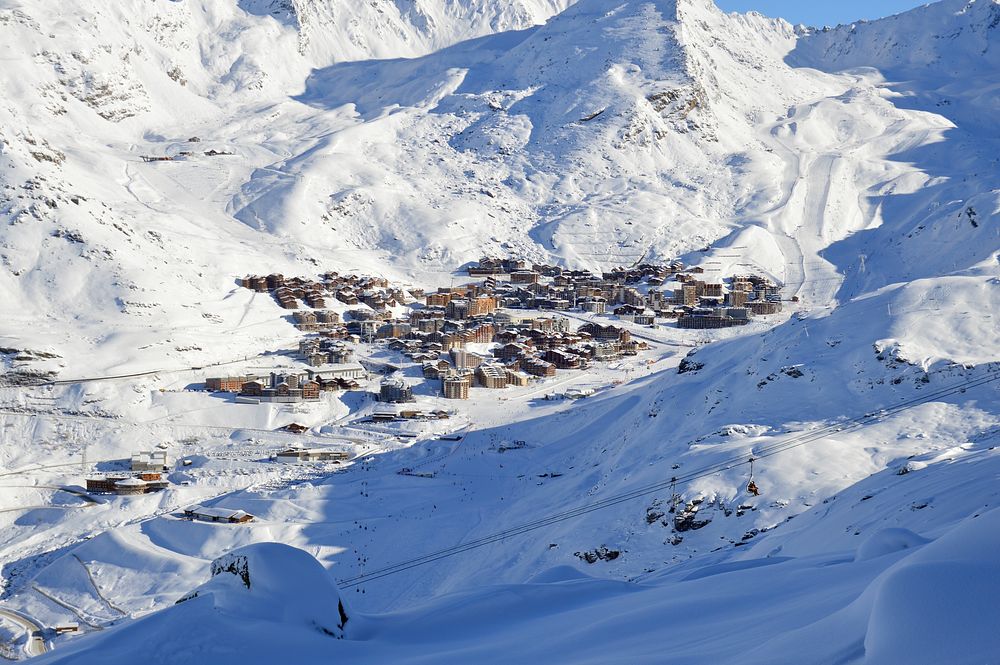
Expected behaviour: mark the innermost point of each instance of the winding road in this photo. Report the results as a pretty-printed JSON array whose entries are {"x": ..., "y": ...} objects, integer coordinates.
[{"x": 36, "y": 644}]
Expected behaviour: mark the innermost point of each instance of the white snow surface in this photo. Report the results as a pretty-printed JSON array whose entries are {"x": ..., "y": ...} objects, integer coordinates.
[{"x": 857, "y": 166}]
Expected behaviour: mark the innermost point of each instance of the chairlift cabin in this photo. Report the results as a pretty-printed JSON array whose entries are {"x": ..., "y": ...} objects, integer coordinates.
[{"x": 752, "y": 486}]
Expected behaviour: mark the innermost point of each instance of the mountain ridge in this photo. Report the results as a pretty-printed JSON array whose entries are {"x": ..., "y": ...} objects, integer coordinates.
[{"x": 860, "y": 178}]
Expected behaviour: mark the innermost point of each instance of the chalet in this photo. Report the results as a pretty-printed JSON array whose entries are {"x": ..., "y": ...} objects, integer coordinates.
[
  {"x": 438, "y": 299},
  {"x": 627, "y": 312},
  {"x": 486, "y": 266},
  {"x": 562, "y": 359},
  {"x": 434, "y": 369},
  {"x": 538, "y": 367},
  {"x": 310, "y": 390},
  {"x": 605, "y": 351},
  {"x": 644, "y": 318},
  {"x": 283, "y": 388},
  {"x": 252, "y": 388},
  {"x": 227, "y": 515},
  {"x": 327, "y": 316},
  {"x": 506, "y": 337},
  {"x": 632, "y": 347},
  {"x": 315, "y": 300},
  {"x": 606, "y": 333},
  {"x": 511, "y": 351},
  {"x": 305, "y": 320},
  {"x": 343, "y": 384}
]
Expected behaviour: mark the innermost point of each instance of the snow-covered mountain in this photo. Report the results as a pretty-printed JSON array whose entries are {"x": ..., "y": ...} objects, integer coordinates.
[
  {"x": 90, "y": 89},
  {"x": 856, "y": 165},
  {"x": 648, "y": 130}
]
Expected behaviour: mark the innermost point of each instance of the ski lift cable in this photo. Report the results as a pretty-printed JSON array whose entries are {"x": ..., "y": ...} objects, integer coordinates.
[{"x": 708, "y": 470}]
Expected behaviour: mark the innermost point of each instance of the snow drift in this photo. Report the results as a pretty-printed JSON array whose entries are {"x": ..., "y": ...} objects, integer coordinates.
[{"x": 260, "y": 599}]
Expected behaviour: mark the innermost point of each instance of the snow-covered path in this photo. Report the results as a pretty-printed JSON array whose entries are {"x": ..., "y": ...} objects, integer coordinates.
[{"x": 35, "y": 644}]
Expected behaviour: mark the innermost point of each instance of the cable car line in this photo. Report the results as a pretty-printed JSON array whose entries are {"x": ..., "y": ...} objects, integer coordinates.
[{"x": 703, "y": 472}]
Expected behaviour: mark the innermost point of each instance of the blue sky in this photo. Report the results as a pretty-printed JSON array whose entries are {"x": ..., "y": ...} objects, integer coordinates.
[{"x": 822, "y": 12}]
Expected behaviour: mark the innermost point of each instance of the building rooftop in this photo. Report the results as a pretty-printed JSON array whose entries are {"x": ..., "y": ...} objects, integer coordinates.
[{"x": 221, "y": 513}]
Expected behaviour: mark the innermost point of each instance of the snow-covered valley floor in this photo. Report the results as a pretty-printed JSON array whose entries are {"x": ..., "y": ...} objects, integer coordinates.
[{"x": 856, "y": 166}]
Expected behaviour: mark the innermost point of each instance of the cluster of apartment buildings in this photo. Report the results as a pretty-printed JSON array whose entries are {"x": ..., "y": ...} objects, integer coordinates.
[
  {"x": 437, "y": 328},
  {"x": 717, "y": 305},
  {"x": 315, "y": 352},
  {"x": 289, "y": 387},
  {"x": 375, "y": 292},
  {"x": 640, "y": 294},
  {"x": 522, "y": 349}
]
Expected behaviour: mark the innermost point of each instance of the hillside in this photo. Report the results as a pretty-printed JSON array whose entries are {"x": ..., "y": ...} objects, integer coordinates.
[
  {"x": 116, "y": 245},
  {"x": 854, "y": 166}
]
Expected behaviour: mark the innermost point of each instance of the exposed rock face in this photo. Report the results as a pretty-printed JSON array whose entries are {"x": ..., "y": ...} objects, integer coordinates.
[
  {"x": 234, "y": 564},
  {"x": 602, "y": 553}
]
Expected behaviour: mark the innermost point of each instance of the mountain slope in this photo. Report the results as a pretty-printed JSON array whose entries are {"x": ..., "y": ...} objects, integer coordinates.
[
  {"x": 649, "y": 130},
  {"x": 898, "y": 596},
  {"x": 849, "y": 164},
  {"x": 94, "y": 234}
]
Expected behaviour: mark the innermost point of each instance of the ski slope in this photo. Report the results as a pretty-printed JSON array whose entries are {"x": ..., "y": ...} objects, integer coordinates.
[{"x": 856, "y": 166}]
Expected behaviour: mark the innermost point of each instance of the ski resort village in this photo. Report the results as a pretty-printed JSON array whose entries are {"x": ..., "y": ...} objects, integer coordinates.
[
  {"x": 369, "y": 367},
  {"x": 502, "y": 330},
  {"x": 646, "y": 332}
]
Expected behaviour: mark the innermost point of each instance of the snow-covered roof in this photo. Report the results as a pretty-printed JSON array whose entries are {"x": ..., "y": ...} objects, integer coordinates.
[{"x": 222, "y": 513}]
